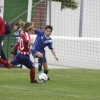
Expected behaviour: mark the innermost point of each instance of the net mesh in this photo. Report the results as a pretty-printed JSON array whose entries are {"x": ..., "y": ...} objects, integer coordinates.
[{"x": 76, "y": 31}]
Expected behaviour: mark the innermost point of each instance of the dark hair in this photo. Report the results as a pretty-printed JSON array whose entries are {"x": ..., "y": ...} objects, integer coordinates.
[
  {"x": 49, "y": 26},
  {"x": 15, "y": 23}
]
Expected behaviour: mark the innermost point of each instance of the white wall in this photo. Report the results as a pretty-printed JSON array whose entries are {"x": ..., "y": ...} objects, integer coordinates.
[
  {"x": 76, "y": 52},
  {"x": 66, "y": 22},
  {"x": 91, "y": 18}
]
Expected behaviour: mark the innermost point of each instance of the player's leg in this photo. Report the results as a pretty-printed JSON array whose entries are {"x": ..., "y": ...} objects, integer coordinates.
[
  {"x": 11, "y": 58},
  {"x": 25, "y": 60},
  {"x": 15, "y": 61},
  {"x": 6, "y": 63},
  {"x": 32, "y": 76},
  {"x": 46, "y": 71},
  {"x": 40, "y": 60},
  {"x": 12, "y": 55},
  {"x": 38, "y": 55},
  {"x": 45, "y": 66}
]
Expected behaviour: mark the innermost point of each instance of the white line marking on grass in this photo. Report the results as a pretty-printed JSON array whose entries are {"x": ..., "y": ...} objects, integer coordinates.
[
  {"x": 74, "y": 75},
  {"x": 48, "y": 92}
]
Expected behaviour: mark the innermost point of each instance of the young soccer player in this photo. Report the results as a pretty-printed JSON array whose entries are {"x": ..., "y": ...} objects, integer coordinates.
[
  {"x": 17, "y": 32},
  {"x": 23, "y": 47},
  {"x": 43, "y": 39}
]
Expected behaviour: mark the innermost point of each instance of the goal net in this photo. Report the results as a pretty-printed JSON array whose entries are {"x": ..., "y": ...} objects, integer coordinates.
[{"x": 76, "y": 31}]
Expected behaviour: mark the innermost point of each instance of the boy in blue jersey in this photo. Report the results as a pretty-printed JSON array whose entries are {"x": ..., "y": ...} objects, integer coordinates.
[{"x": 43, "y": 39}]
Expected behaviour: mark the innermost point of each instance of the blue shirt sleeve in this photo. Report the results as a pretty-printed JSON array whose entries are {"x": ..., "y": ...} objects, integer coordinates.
[
  {"x": 39, "y": 32},
  {"x": 50, "y": 46}
]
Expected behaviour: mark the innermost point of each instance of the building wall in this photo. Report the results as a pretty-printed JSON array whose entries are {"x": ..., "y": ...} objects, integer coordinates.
[{"x": 66, "y": 22}]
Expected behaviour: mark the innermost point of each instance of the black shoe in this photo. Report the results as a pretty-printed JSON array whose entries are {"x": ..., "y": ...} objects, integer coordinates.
[{"x": 48, "y": 79}]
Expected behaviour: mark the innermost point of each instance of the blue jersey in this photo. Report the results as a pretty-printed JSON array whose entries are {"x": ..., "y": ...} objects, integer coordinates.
[{"x": 41, "y": 42}]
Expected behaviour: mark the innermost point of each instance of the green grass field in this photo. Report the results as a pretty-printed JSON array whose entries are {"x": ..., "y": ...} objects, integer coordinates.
[{"x": 65, "y": 84}]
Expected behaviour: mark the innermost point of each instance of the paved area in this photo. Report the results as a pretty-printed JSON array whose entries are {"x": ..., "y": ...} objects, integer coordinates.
[{"x": 50, "y": 66}]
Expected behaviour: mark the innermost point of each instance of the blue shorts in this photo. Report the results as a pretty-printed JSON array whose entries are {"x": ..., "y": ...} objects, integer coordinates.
[
  {"x": 24, "y": 60},
  {"x": 14, "y": 52},
  {"x": 34, "y": 55}
]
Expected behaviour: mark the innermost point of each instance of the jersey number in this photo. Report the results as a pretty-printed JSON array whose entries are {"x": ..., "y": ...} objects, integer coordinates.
[{"x": 21, "y": 44}]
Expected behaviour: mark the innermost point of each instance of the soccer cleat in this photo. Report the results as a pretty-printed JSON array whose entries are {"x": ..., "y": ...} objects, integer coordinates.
[
  {"x": 48, "y": 79},
  {"x": 34, "y": 81}
]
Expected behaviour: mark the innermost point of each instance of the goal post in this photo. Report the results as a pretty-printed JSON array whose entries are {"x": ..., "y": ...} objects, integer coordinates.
[
  {"x": 1, "y": 8},
  {"x": 29, "y": 11}
]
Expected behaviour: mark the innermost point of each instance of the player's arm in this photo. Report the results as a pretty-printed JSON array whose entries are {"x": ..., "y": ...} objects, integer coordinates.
[
  {"x": 15, "y": 47},
  {"x": 53, "y": 52},
  {"x": 30, "y": 42},
  {"x": 27, "y": 39}
]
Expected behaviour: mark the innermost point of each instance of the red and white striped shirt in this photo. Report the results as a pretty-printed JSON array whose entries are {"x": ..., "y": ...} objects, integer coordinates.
[{"x": 23, "y": 47}]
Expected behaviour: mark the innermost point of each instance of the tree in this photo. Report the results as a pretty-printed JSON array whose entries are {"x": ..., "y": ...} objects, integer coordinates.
[{"x": 72, "y": 4}]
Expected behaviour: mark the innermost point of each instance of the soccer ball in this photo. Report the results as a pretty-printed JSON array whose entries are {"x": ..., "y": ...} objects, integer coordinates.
[{"x": 42, "y": 78}]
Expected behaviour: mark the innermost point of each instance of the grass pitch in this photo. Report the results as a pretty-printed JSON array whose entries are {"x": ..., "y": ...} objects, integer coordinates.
[{"x": 65, "y": 84}]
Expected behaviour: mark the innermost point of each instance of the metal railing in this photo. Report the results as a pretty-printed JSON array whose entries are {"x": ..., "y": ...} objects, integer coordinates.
[{"x": 6, "y": 44}]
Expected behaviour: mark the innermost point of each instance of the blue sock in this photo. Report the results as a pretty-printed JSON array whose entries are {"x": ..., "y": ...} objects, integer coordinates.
[{"x": 39, "y": 64}]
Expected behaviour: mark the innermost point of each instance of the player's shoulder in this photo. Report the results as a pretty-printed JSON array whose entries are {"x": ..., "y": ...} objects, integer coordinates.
[
  {"x": 39, "y": 32},
  {"x": 24, "y": 34},
  {"x": 21, "y": 35}
]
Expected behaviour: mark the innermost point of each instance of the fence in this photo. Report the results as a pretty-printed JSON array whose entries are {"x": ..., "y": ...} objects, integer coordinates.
[{"x": 8, "y": 42}]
